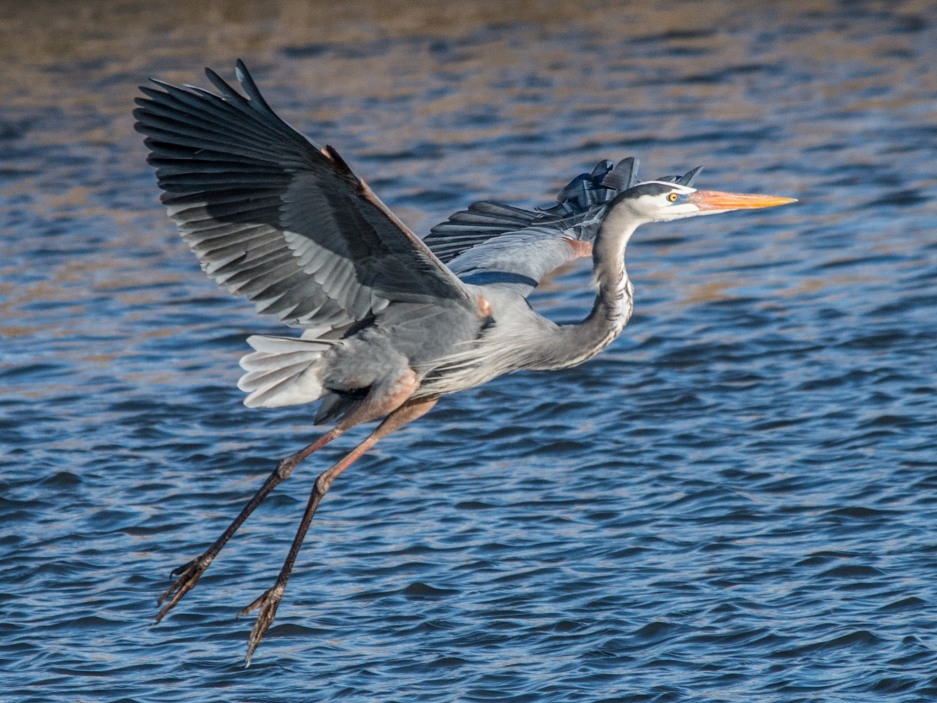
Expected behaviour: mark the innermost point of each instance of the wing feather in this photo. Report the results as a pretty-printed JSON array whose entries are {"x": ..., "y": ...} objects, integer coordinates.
[{"x": 276, "y": 218}]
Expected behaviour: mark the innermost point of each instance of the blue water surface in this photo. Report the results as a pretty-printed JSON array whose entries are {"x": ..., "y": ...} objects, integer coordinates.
[{"x": 736, "y": 502}]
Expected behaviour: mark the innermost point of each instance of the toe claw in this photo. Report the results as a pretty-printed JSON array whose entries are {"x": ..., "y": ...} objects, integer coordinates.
[
  {"x": 253, "y": 606},
  {"x": 188, "y": 575},
  {"x": 268, "y": 604},
  {"x": 182, "y": 569}
]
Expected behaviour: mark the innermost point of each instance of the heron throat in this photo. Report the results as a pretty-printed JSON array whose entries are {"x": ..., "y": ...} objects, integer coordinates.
[{"x": 614, "y": 294}]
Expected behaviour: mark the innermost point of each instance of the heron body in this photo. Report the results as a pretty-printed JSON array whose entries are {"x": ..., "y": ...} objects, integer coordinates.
[{"x": 390, "y": 322}]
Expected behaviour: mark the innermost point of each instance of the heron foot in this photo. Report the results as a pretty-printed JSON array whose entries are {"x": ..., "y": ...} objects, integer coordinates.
[
  {"x": 268, "y": 604},
  {"x": 188, "y": 574}
]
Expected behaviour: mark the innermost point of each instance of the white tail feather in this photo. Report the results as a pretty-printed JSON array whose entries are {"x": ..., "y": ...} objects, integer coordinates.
[{"x": 282, "y": 371}]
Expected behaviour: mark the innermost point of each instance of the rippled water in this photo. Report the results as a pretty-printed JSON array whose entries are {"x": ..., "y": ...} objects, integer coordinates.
[{"x": 735, "y": 503}]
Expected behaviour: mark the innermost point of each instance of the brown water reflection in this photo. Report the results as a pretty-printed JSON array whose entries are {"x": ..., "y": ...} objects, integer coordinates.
[{"x": 444, "y": 104}]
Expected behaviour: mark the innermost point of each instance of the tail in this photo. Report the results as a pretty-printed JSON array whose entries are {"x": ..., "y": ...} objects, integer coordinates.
[{"x": 283, "y": 371}]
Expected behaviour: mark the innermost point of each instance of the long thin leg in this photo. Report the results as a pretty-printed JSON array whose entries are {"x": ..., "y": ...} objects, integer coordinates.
[
  {"x": 270, "y": 600},
  {"x": 190, "y": 573}
]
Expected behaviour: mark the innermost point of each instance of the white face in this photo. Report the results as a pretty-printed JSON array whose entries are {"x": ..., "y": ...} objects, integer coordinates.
[{"x": 673, "y": 204}]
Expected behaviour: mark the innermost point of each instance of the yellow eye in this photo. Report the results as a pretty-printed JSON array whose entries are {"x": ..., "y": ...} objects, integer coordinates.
[{"x": 673, "y": 197}]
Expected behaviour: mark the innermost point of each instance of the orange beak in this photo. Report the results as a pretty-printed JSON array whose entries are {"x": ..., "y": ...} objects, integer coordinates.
[{"x": 723, "y": 202}]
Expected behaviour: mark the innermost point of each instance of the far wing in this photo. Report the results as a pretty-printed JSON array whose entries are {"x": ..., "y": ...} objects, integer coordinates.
[
  {"x": 500, "y": 245},
  {"x": 274, "y": 217},
  {"x": 578, "y": 201},
  {"x": 495, "y": 244},
  {"x": 476, "y": 225},
  {"x": 519, "y": 260}
]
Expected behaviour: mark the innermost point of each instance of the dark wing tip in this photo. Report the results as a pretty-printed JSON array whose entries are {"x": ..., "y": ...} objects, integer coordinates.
[
  {"x": 247, "y": 83},
  {"x": 226, "y": 90},
  {"x": 624, "y": 175}
]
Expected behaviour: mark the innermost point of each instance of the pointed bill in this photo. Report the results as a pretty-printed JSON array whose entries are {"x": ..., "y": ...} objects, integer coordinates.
[{"x": 715, "y": 200}]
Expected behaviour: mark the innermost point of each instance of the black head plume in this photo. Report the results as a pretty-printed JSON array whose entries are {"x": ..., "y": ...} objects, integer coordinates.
[{"x": 685, "y": 180}]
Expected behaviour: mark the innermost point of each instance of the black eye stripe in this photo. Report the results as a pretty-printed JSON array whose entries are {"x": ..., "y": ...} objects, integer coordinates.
[
  {"x": 645, "y": 189},
  {"x": 650, "y": 188}
]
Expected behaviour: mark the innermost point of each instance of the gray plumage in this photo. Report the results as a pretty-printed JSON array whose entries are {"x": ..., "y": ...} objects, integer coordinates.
[{"x": 389, "y": 322}]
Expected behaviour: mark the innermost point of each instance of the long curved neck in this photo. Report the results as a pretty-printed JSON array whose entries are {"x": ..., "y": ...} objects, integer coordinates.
[{"x": 613, "y": 300}]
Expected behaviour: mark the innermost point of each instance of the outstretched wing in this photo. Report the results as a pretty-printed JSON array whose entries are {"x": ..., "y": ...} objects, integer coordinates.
[
  {"x": 495, "y": 244},
  {"x": 276, "y": 218}
]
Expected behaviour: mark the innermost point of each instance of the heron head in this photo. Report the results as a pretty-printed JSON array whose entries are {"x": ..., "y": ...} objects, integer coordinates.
[{"x": 666, "y": 200}]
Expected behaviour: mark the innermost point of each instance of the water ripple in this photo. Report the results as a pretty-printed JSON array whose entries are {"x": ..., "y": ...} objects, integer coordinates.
[{"x": 733, "y": 503}]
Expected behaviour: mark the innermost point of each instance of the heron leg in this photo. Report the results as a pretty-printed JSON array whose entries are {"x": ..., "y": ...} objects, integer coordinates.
[
  {"x": 270, "y": 600},
  {"x": 188, "y": 574}
]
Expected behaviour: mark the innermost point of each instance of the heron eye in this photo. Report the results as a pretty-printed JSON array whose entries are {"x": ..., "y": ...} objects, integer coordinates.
[{"x": 673, "y": 197}]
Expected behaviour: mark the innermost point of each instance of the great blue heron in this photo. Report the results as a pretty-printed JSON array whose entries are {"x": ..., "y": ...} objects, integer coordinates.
[{"x": 390, "y": 322}]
